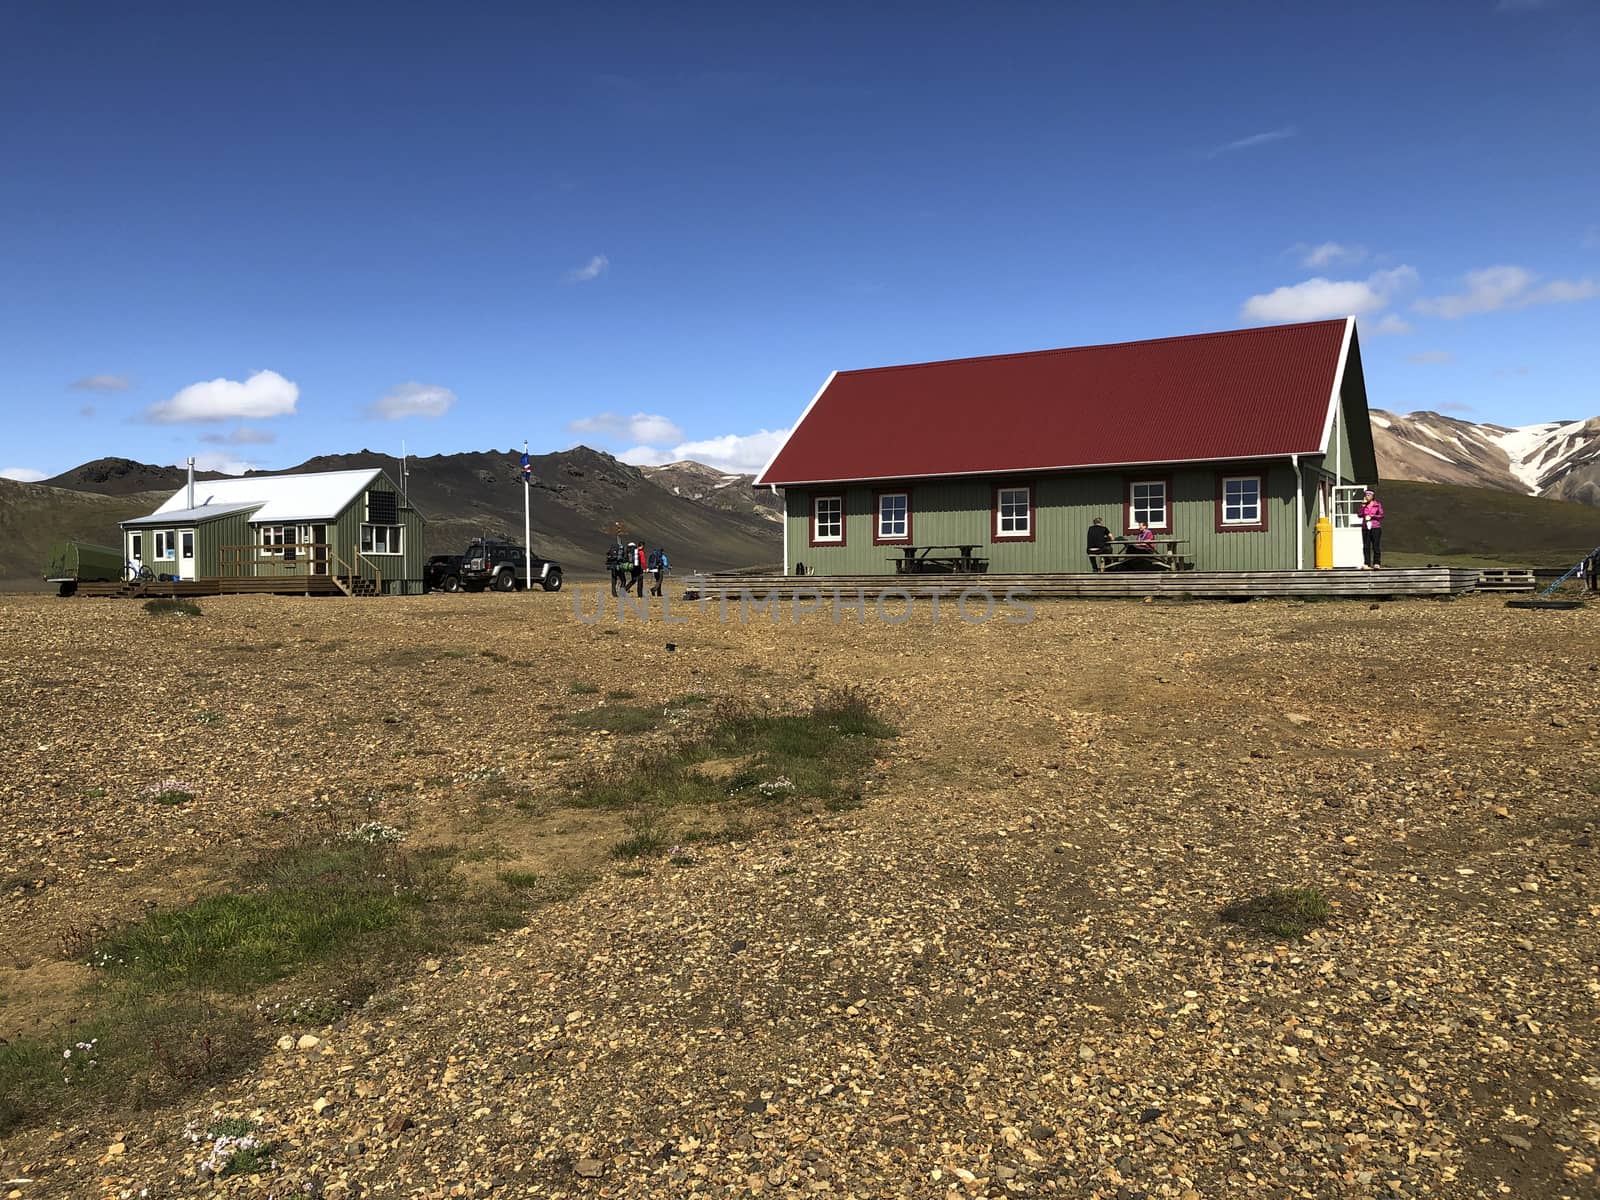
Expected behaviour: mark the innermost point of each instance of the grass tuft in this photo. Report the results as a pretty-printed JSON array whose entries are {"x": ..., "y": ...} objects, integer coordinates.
[
  {"x": 1283, "y": 912},
  {"x": 579, "y": 688},
  {"x": 618, "y": 718},
  {"x": 162, "y": 607}
]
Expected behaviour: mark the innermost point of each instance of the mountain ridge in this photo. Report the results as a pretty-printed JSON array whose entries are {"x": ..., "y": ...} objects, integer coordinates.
[{"x": 1558, "y": 460}]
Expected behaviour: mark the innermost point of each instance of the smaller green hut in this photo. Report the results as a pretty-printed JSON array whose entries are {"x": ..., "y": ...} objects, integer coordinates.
[{"x": 354, "y": 527}]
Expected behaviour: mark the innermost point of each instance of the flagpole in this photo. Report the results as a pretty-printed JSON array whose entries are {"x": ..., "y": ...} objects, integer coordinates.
[{"x": 527, "y": 525}]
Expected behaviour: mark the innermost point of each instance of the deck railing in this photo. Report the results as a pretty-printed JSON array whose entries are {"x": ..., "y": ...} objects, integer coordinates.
[{"x": 307, "y": 559}]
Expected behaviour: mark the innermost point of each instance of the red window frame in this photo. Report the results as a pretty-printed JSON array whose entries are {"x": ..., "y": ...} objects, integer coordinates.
[
  {"x": 1128, "y": 481},
  {"x": 1259, "y": 526},
  {"x": 994, "y": 514},
  {"x": 877, "y": 514},
  {"x": 843, "y": 526}
]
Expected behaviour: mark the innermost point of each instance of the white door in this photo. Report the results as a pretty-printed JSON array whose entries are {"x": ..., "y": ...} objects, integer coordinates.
[
  {"x": 185, "y": 554},
  {"x": 136, "y": 550},
  {"x": 1347, "y": 524}
]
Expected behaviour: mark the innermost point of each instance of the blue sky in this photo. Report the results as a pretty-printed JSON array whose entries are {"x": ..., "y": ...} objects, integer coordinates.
[{"x": 262, "y": 233}]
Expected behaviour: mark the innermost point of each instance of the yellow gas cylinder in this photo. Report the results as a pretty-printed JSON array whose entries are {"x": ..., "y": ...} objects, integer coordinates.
[{"x": 1324, "y": 544}]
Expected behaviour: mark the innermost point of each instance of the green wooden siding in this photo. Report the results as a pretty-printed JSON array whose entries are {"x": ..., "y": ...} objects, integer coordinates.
[
  {"x": 230, "y": 530},
  {"x": 406, "y": 566},
  {"x": 959, "y": 512}
]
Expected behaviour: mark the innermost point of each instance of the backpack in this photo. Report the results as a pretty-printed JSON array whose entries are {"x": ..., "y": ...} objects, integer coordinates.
[
  {"x": 617, "y": 558},
  {"x": 655, "y": 560}
]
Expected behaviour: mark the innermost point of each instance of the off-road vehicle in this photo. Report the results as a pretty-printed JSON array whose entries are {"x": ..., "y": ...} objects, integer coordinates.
[
  {"x": 502, "y": 565},
  {"x": 442, "y": 573}
]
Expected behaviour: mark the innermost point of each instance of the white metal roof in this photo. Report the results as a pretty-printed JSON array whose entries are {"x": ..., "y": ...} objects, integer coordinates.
[
  {"x": 319, "y": 496},
  {"x": 189, "y": 516}
]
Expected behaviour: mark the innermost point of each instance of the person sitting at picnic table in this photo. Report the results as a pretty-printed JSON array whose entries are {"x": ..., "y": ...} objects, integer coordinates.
[
  {"x": 1144, "y": 540},
  {"x": 1099, "y": 545}
]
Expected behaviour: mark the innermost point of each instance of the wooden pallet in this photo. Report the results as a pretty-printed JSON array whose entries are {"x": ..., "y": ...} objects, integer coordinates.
[
  {"x": 1233, "y": 585},
  {"x": 1506, "y": 580}
]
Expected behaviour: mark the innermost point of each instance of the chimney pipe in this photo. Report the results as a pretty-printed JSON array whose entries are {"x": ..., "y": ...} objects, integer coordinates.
[{"x": 191, "y": 482}]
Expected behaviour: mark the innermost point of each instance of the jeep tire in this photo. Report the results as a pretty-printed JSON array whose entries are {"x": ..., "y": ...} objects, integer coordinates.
[{"x": 552, "y": 580}]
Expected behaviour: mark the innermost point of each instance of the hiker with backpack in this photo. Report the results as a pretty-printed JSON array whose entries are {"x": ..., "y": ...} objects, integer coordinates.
[
  {"x": 659, "y": 566},
  {"x": 619, "y": 559},
  {"x": 636, "y": 561}
]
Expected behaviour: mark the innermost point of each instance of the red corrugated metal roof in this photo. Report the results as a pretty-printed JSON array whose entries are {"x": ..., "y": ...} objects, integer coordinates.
[{"x": 1248, "y": 393}]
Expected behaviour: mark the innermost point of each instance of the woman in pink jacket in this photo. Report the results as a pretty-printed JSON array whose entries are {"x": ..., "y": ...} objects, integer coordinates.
[{"x": 1371, "y": 514}]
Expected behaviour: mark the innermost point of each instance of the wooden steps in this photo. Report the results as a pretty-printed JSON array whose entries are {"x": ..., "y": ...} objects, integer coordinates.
[{"x": 1239, "y": 585}]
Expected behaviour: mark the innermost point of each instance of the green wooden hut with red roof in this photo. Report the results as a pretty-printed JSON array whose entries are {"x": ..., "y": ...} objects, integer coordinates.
[{"x": 1232, "y": 444}]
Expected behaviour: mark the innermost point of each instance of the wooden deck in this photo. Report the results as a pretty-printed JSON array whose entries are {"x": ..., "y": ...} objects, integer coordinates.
[
  {"x": 283, "y": 585},
  {"x": 1195, "y": 585}
]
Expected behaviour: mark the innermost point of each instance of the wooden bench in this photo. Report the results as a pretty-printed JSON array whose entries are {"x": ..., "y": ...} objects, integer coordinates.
[
  {"x": 921, "y": 560},
  {"x": 1164, "y": 554}
]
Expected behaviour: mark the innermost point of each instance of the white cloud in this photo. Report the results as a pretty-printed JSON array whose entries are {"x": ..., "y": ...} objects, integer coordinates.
[
  {"x": 102, "y": 383},
  {"x": 1328, "y": 253},
  {"x": 264, "y": 394},
  {"x": 732, "y": 451},
  {"x": 652, "y": 429},
  {"x": 1255, "y": 139},
  {"x": 590, "y": 270},
  {"x": 243, "y": 436},
  {"x": 1426, "y": 358},
  {"x": 22, "y": 474},
  {"x": 644, "y": 456},
  {"x": 1494, "y": 288},
  {"x": 222, "y": 461},
  {"x": 413, "y": 400},
  {"x": 1317, "y": 298},
  {"x": 1391, "y": 323}
]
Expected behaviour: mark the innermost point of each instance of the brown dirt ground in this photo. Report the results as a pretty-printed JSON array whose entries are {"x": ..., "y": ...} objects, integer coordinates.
[{"x": 1003, "y": 975}]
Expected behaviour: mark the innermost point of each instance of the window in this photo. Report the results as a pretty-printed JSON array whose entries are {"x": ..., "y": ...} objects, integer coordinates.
[
  {"x": 1239, "y": 504},
  {"x": 187, "y": 540},
  {"x": 1147, "y": 502},
  {"x": 382, "y": 508},
  {"x": 136, "y": 547},
  {"x": 1013, "y": 513},
  {"x": 827, "y": 520},
  {"x": 380, "y": 539},
  {"x": 894, "y": 518},
  {"x": 274, "y": 538},
  {"x": 163, "y": 545}
]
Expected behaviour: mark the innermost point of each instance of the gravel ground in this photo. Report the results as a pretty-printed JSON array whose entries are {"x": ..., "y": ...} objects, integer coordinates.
[{"x": 1003, "y": 975}]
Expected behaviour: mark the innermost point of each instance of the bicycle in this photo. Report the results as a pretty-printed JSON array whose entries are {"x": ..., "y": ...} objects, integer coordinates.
[{"x": 138, "y": 573}]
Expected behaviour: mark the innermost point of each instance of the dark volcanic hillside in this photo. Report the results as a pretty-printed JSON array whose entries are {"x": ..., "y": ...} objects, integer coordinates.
[
  {"x": 124, "y": 477},
  {"x": 577, "y": 495}
]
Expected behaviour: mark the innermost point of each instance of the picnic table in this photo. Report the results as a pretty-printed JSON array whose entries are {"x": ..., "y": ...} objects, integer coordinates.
[
  {"x": 921, "y": 560},
  {"x": 1165, "y": 554}
]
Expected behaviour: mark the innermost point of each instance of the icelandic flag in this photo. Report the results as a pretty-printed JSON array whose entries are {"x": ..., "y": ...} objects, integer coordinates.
[{"x": 527, "y": 468}]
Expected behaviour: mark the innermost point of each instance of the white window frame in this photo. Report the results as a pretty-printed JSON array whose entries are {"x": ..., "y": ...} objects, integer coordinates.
[
  {"x": 883, "y": 535},
  {"x": 165, "y": 547},
  {"x": 818, "y": 538},
  {"x": 370, "y": 539},
  {"x": 1255, "y": 518},
  {"x": 1001, "y": 533},
  {"x": 273, "y": 540},
  {"x": 1162, "y": 526}
]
